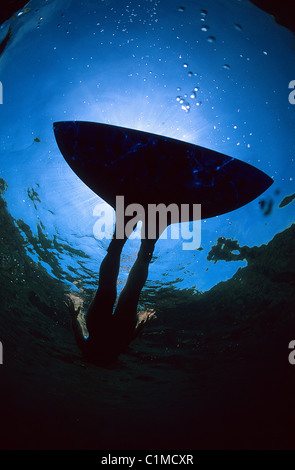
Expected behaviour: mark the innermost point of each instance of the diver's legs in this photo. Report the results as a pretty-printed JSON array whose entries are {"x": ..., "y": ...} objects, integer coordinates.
[
  {"x": 125, "y": 314},
  {"x": 102, "y": 306}
]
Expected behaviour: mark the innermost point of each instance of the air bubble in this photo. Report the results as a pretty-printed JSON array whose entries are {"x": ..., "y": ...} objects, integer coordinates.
[
  {"x": 211, "y": 39},
  {"x": 190, "y": 74},
  {"x": 205, "y": 28},
  {"x": 238, "y": 27},
  {"x": 185, "y": 66},
  {"x": 181, "y": 9},
  {"x": 186, "y": 107},
  {"x": 226, "y": 66},
  {"x": 204, "y": 12}
]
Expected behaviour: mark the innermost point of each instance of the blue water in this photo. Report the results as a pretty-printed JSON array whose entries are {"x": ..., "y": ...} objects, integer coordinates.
[{"x": 217, "y": 78}]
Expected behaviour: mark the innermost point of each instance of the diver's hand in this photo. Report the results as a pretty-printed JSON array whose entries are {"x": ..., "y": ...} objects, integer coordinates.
[
  {"x": 144, "y": 317},
  {"x": 72, "y": 309}
]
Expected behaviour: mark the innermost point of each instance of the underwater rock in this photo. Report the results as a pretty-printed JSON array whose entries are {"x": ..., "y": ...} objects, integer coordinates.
[
  {"x": 22, "y": 279},
  {"x": 3, "y": 186},
  {"x": 287, "y": 200},
  {"x": 262, "y": 293},
  {"x": 224, "y": 251}
]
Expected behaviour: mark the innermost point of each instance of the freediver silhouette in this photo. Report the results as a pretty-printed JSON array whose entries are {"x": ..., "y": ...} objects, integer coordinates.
[
  {"x": 146, "y": 169},
  {"x": 110, "y": 332}
]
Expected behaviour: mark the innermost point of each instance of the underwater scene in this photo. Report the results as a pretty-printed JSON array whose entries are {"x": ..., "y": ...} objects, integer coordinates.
[{"x": 205, "y": 92}]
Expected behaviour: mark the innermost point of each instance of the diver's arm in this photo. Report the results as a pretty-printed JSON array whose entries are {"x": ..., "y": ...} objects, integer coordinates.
[{"x": 79, "y": 337}]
